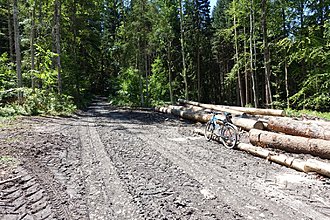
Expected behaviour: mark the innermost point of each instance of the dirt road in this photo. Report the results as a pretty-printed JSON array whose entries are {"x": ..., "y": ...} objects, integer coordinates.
[{"x": 109, "y": 163}]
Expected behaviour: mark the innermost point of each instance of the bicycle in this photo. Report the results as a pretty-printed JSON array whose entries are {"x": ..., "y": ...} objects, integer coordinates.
[{"x": 223, "y": 129}]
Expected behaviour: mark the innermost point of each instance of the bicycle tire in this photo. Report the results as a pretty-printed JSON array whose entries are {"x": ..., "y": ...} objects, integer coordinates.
[
  {"x": 208, "y": 130},
  {"x": 229, "y": 136}
]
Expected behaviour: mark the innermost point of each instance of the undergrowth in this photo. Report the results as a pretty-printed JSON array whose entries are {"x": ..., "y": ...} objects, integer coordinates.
[
  {"x": 308, "y": 113},
  {"x": 35, "y": 102}
]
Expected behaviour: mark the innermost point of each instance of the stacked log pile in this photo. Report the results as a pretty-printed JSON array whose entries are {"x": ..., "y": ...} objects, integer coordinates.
[{"x": 286, "y": 134}]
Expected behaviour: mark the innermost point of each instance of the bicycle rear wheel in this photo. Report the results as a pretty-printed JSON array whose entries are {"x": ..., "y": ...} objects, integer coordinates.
[
  {"x": 209, "y": 130},
  {"x": 229, "y": 136}
]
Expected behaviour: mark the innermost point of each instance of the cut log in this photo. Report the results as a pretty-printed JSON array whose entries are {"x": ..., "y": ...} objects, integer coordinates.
[
  {"x": 282, "y": 159},
  {"x": 247, "y": 124},
  {"x": 318, "y": 167},
  {"x": 212, "y": 107},
  {"x": 236, "y": 109},
  {"x": 298, "y": 128},
  {"x": 289, "y": 143},
  {"x": 191, "y": 108},
  {"x": 259, "y": 111},
  {"x": 311, "y": 165},
  {"x": 185, "y": 114},
  {"x": 244, "y": 123}
]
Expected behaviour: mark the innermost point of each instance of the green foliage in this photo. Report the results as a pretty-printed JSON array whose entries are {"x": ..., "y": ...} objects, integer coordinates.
[
  {"x": 38, "y": 102},
  {"x": 46, "y": 73},
  {"x": 129, "y": 48},
  {"x": 7, "y": 74},
  {"x": 308, "y": 113},
  {"x": 159, "y": 86},
  {"x": 128, "y": 92}
]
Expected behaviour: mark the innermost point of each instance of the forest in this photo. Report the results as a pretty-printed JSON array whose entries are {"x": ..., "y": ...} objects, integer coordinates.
[{"x": 263, "y": 53}]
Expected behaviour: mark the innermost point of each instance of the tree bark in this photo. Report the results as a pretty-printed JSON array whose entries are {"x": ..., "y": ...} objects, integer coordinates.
[
  {"x": 32, "y": 36},
  {"x": 198, "y": 73},
  {"x": 268, "y": 93},
  {"x": 17, "y": 51},
  {"x": 146, "y": 59},
  {"x": 10, "y": 32},
  {"x": 57, "y": 15},
  {"x": 254, "y": 91},
  {"x": 184, "y": 71},
  {"x": 169, "y": 63},
  {"x": 299, "y": 128},
  {"x": 256, "y": 79},
  {"x": 241, "y": 97},
  {"x": 246, "y": 75},
  {"x": 286, "y": 62},
  {"x": 316, "y": 147}
]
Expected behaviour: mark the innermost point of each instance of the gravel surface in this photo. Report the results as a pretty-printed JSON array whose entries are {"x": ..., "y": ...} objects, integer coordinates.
[{"x": 112, "y": 163}]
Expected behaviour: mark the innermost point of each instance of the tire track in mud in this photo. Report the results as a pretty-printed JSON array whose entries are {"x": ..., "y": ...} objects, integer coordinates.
[
  {"x": 24, "y": 198},
  {"x": 106, "y": 197},
  {"x": 301, "y": 198},
  {"x": 161, "y": 189},
  {"x": 208, "y": 177},
  {"x": 50, "y": 187},
  {"x": 232, "y": 190}
]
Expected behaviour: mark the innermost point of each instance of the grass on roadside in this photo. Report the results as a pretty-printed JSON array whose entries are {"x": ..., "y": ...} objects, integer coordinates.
[
  {"x": 310, "y": 113},
  {"x": 5, "y": 121}
]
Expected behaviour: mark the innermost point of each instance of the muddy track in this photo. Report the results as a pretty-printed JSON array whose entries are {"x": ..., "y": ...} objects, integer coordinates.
[{"x": 110, "y": 163}]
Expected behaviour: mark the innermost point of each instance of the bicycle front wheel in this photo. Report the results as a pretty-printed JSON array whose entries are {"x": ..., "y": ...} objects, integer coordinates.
[
  {"x": 209, "y": 129},
  {"x": 229, "y": 136}
]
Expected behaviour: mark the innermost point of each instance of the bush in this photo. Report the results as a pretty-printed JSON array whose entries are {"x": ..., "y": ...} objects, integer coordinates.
[
  {"x": 128, "y": 93},
  {"x": 39, "y": 102}
]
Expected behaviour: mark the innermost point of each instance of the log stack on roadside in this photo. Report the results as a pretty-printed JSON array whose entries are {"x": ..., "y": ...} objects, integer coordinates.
[
  {"x": 286, "y": 134},
  {"x": 201, "y": 116}
]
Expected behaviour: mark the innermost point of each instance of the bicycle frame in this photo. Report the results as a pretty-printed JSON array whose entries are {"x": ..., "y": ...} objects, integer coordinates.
[
  {"x": 220, "y": 128},
  {"x": 225, "y": 121}
]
